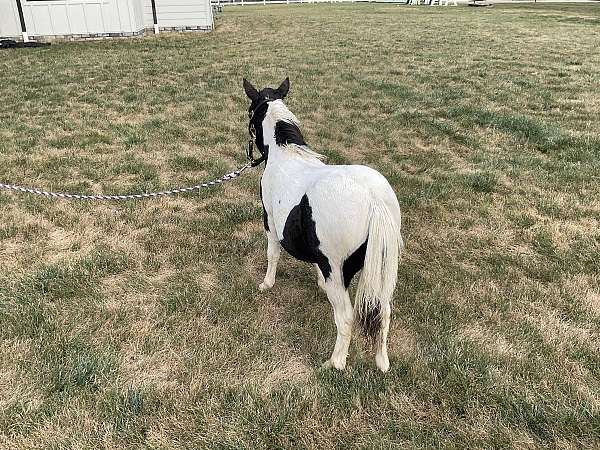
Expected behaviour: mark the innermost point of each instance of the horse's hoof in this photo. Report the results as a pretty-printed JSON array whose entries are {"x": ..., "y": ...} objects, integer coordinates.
[
  {"x": 329, "y": 364},
  {"x": 383, "y": 363},
  {"x": 264, "y": 287}
]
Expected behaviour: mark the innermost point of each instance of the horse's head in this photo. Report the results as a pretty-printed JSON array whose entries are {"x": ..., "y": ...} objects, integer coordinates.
[
  {"x": 258, "y": 109},
  {"x": 260, "y": 99}
]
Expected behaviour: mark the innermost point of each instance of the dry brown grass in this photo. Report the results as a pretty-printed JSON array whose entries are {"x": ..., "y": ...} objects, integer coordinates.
[{"x": 139, "y": 325}]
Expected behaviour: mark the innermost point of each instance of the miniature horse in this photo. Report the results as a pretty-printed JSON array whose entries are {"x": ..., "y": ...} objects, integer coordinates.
[{"x": 343, "y": 219}]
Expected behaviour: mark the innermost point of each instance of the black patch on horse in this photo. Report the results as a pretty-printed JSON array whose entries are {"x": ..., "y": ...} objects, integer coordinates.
[
  {"x": 300, "y": 237},
  {"x": 288, "y": 133},
  {"x": 354, "y": 263},
  {"x": 265, "y": 215}
]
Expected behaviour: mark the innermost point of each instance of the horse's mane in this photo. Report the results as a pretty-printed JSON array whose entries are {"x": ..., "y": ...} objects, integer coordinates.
[{"x": 289, "y": 135}]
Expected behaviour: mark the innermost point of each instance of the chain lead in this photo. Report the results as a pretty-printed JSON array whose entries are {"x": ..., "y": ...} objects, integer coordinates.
[{"x": 226, "y": 177}]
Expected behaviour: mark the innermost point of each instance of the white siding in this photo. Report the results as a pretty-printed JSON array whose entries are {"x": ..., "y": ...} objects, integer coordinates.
[
  {"x": 180, "y": 13},
  {"x": 148, "y": 19},
  {"x": 72, "y": 17},
  {"x": 63, "y": 17},
  {"x": 9, "y": 19},
  {"x": 67, "y": 17},
  {"x": 59, "y": 19},
  {"x": 112, "y": 19},
  {"x": 138, "y": 14}
]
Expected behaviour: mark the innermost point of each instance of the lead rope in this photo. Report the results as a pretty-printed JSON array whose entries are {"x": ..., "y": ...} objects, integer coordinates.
[{"x": 226, "y": 177}]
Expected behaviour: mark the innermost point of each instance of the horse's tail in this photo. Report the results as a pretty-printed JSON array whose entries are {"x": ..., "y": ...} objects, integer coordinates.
[{"x": 380, "y": 270}]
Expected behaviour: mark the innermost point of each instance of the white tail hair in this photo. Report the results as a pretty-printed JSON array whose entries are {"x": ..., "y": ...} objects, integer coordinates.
[{"x": 380, "y": 270}]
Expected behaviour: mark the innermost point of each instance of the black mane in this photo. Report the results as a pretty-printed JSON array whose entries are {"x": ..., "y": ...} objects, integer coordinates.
[{"x": 288, "y": 133}]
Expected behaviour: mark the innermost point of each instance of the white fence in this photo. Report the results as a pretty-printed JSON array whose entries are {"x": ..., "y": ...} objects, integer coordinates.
[{"x": 287, "y": 2}]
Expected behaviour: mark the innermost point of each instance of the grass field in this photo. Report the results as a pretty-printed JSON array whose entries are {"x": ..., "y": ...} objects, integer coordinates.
[{"x": 140, "y": 325}]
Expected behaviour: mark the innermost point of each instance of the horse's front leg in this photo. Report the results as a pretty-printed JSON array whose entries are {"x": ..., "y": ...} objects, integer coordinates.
[
  {"x": 320, "y": 278},
  {"x": 273, "y": 252}
]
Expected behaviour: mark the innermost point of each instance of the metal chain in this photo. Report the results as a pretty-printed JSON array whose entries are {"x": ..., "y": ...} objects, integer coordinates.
[{"x": 226, "y": 177}]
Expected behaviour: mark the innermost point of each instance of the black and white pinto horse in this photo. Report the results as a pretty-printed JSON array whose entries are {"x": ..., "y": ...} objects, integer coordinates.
[{"x": 343, "y": 219}]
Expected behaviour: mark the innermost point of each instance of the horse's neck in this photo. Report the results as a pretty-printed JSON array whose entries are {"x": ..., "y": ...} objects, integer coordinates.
[
  {"x": 276, "y": 153},
  {"x": 269, "y": 138},
  {"x": 282, "y": 154},
  {"x": 290, "y": 156}
]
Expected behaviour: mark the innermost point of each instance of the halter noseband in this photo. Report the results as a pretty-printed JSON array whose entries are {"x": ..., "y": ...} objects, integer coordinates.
[{"x": 252, "y": 131}]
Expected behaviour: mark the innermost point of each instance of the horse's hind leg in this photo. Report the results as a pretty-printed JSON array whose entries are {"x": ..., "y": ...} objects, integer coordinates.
[
  {"x": 343, "y": 315},
  {"x": 273, "y": 252}
]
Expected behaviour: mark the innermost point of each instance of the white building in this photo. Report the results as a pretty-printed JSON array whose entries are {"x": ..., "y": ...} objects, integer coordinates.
[{"x": 96, "y": 19}]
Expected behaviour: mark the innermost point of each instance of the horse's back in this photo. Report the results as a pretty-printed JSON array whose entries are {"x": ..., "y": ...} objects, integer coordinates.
[
  {"x": 368, "y": 181},
  {"x": 341, "y": 199},
  {"x": 378, "y": 185}
]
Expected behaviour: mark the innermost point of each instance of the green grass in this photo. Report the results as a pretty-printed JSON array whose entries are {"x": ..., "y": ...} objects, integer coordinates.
[{"x": 140, "y": 325}]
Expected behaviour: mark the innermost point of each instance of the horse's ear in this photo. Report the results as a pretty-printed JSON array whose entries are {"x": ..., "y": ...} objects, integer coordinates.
[
  {"x": 283, "y": 88},
  {"x": 251, "y": 91}
]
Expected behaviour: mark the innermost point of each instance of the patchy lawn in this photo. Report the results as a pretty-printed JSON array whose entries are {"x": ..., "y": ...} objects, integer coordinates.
[{"x": 140, "y": 325}]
